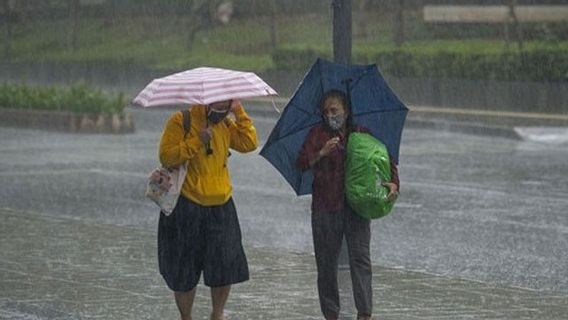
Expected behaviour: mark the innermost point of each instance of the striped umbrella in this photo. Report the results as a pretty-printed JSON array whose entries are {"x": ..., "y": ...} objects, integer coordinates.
[{"x": 202, "y": 86}]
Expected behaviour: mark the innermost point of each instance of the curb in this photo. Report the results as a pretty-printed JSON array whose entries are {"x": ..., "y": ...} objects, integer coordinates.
[
  {"x": 67, "y": 121},
  {"x": 469, "y": 128},
  {"x": 470, "y": 121}
]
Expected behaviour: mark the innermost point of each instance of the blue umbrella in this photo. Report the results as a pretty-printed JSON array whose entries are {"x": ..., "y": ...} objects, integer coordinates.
[{"x": 373, "y": 105}]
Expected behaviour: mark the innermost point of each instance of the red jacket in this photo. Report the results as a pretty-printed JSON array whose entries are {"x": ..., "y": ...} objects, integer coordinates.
[{"x": 328, "y": 189}]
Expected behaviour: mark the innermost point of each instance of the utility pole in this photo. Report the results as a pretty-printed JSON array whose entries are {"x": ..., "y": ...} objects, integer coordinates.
[
  {"x": 110, "y": 10},
  {"x": 342, "y": 37},
  {"x": 8, "y": 22},
  {"x": 74, "y": 23},
  {"x": 399, "y": 23},
  {"x": 273, "y": 25},
  {"x": 516, "y": 25}
]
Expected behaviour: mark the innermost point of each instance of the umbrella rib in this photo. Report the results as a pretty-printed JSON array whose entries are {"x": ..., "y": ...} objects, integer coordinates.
[
  {"x": 296, "y": 131},
  {"x": 379, "y": 111},
  {"x": 364, "y": 73}
]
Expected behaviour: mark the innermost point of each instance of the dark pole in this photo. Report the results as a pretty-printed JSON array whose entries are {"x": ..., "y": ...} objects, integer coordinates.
[
  {"x": 74, "y": 23},
  {"x": 8, "y": 22},
  {"x": 273, "y": 25},
  {"x": 399, "y": 23},
  {"x": 342, "y": 31},
  {"x": 516, "y": 25},
  {"x": 110, "y": 13}
]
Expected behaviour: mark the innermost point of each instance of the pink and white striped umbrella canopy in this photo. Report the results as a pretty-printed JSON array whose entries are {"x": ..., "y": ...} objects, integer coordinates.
[{"x": 202, "y": 86}]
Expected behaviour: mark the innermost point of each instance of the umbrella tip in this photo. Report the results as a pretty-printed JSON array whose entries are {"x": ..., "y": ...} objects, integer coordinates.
[
  {"x": 274, "y": 105},
  {"x": 272, "y": 99}
]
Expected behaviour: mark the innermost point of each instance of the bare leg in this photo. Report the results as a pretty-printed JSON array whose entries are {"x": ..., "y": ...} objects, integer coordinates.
[
  {"x": 219, "y": 297},
  {"x": 184, "y": 302}
]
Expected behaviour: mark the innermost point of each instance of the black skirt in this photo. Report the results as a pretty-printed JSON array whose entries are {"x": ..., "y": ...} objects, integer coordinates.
[{"x": 195, "y": 239}]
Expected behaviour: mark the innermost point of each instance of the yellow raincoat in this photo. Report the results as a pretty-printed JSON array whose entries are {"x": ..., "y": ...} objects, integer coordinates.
[{"x": 207, "y": 182}]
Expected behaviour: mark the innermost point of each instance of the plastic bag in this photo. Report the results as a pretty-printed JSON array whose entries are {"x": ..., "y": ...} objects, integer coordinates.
[
  {"x": 164, "y": 187},
  {"x": 367, "y": 167}
]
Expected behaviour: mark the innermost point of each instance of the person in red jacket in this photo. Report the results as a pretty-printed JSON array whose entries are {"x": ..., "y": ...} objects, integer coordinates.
[{"x": 324, "y": 152}]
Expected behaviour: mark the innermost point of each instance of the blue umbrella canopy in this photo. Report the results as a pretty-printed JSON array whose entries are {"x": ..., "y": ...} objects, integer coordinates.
[{"x": 373, "y": 105}]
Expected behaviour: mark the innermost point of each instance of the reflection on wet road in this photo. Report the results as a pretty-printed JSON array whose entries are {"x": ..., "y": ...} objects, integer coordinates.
[{"x": 477, "y": 207}]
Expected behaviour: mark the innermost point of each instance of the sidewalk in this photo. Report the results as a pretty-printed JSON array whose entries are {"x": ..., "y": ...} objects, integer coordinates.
[{"x": 63, "y": 268}]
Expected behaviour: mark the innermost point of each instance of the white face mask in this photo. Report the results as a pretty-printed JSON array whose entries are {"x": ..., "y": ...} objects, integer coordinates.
[{"x": 335, "y": 122}]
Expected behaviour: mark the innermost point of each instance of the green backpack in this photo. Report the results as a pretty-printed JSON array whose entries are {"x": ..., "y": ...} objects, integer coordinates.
[{"x": 367, "y": 166}]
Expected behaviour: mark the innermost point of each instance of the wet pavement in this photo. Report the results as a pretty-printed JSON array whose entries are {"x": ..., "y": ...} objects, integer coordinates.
[
  {"x": 64, "y": 268},
  {"x": 78, "y": 237}
]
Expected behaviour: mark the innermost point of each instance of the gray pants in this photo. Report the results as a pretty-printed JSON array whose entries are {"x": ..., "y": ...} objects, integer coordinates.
[{"x": 328, "y": 229}]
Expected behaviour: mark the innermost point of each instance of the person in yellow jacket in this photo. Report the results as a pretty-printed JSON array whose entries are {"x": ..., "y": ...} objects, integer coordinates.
[{"x": 202, "y": 235}]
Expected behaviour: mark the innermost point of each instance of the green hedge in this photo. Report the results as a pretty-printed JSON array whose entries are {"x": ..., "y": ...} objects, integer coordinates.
[
  {"x": 78, "y": 99},
  {"x": 537, "y": 63}
]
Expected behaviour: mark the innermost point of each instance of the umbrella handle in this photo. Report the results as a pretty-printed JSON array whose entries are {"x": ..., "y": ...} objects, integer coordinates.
[
  {"x": 347, "y": 83},
  {"x": 208, "y": 150}
]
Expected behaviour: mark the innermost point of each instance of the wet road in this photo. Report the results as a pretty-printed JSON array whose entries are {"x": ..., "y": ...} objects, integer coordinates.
[{"x": 474, "y": 207}]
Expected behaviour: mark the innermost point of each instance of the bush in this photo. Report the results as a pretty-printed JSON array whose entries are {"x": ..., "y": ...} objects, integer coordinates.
[
  {"x": 538, "y": 62},
  {"x": 78, "y": 99}
]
